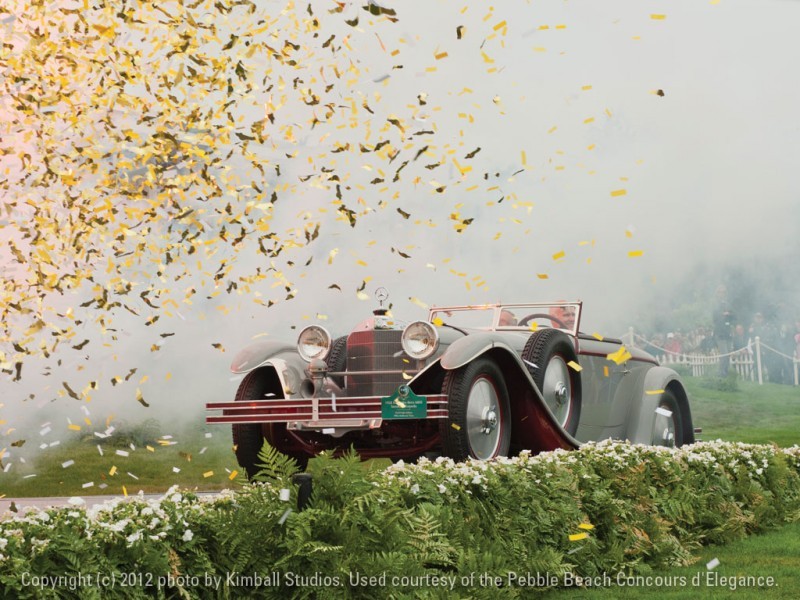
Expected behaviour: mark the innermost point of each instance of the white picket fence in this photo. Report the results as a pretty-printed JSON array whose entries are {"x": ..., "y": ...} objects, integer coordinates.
[{"x": 747, "y": 362}]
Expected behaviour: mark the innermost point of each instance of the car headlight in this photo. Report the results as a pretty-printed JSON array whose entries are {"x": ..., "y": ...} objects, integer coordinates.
[
  {"x": 420, "y": 339},
  {"x": 313, "y": 342}
]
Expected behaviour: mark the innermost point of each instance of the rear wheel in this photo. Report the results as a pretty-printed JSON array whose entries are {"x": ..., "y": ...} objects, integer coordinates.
[
  {"x": 547, "y": 355},
  {"x": 248, "y": 438},
  {"x": 479, "y": 423},
  {"x": 668, "y": 422}
]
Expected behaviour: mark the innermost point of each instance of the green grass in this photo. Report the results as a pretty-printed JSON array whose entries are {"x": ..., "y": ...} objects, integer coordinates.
[
  {"x": 154, "y": 469},
  {"x": 775, "y": 554},
  {"x": 756, "y": 414}
]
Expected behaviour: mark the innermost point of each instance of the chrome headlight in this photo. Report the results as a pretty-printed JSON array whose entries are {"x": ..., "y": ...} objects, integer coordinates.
[
  {"x": 420, "y": 339},
  {"x": 313, "y": 342}
]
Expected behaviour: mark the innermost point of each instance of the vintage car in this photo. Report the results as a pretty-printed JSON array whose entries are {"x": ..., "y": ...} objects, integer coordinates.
[{"x": 469, "y": 381}]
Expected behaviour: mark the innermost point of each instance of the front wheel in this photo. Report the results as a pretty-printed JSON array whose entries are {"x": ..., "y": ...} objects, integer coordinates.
[
  {"x": 248, "y": 438},
  {"x": 479, "y": 423}
]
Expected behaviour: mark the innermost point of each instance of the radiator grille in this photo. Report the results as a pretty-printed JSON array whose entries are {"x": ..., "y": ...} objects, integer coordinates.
[{"x": 374, "y": 351}]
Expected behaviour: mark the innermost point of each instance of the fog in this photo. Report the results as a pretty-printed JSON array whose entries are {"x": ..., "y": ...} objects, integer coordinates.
[{"x": 693, "y": 115}]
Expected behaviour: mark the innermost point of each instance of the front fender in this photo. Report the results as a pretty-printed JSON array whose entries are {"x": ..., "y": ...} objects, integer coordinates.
[
  {"x": 534, "y": 427},
  {"x": 468, "y": 348},
  {"x": 258, "y": 354}
]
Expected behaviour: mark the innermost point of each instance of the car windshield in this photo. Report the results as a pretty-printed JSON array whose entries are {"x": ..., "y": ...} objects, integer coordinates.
[{"x": 561, "y": 315}]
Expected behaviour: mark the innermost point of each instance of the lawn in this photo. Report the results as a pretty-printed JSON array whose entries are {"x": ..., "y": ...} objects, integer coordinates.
[
  {"x": 773, "y": 555},
  {"x": 132, "y": 459},
  {"x": 757, "y": 414}
]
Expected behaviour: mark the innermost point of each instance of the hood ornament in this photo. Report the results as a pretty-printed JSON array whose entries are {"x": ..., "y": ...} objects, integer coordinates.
[{"x": 381, "y": 295}]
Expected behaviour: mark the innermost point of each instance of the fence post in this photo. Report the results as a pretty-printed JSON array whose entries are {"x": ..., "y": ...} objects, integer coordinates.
[{"x": 758, "y": 360}]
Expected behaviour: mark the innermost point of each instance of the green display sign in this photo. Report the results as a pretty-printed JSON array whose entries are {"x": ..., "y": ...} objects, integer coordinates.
[{"x": 404, "y": 404}]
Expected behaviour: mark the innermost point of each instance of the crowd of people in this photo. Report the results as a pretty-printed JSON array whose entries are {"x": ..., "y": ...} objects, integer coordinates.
[{"x": 731, "y": 334}]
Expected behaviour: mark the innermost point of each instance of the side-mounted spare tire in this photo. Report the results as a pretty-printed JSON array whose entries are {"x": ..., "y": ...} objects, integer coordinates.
[
  {"x": 547, "y": 355},
  {"x": 248, "y": 438},
  {"x": 337, "y": 359}
]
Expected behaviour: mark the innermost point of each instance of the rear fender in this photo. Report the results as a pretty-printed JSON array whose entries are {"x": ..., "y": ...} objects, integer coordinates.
[{"x": 643, "y": 415}]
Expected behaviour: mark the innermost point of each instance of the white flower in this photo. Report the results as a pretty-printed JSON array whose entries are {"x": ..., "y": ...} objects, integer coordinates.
[
  {"x": 3, "y": 543},
  {"x": 415, "y": 489},
  {"x": 134, "y": 537},
  {"x": 187, "y": 535},
  {"x": 442, "y": 489}
]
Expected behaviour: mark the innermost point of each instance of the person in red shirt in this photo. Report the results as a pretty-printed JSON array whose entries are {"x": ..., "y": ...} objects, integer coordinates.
[{"x": 673, "y": 345}]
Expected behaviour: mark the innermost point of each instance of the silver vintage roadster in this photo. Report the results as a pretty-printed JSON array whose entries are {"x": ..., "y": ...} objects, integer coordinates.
[{"x": 469, "y": 381}]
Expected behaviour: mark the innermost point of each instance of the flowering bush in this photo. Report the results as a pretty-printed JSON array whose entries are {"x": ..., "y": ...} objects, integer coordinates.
[{"x": 605, "y": 508}]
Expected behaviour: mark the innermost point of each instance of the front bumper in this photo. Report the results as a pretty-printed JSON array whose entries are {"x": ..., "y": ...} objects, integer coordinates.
[{"x": 353, "y": 412}]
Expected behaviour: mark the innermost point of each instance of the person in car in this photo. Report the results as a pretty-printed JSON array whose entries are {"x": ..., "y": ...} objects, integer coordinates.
[{"x": 565, "y": 314}]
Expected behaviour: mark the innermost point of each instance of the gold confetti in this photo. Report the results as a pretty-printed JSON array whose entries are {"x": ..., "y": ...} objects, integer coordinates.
[
  {"x": 559, "y": 255},
  {"x": 418, "y": 302},
  {"x": 617, "y": 193},
  {"x": 635, "y": 253},
  {"x": 605, "y": 371},
  {"x": 208, "y": 474},
  {"x": 620, "y": 356},
  {"x": 456, "y": 427},
  {"x": 233, "y": 475},
  {"x": 574, "y": 366},
  {"x": 658, "y": 17},
  {"x": 587, "y": 526},
  {"x": 113, "y": 471},
  {"x": 578, "y": 536},
  {"x": 654, "y": 392},
  {"x": 542, "y": 275}
]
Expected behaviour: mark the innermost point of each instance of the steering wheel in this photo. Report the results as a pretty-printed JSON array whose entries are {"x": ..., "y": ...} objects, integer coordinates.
[{"x": 528, "y": 318}]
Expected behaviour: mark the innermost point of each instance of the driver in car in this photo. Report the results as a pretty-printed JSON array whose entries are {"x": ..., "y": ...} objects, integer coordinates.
[{"x": 564, "y": 314}]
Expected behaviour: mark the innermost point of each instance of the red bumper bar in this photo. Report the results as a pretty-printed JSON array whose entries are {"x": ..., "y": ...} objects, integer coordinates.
[{"x": 316, "y": 410}]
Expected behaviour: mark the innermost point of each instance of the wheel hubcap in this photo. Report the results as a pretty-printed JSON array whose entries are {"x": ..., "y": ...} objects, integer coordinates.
[
  {"x": 483, "y": 419},
  {"x": 557, "y": 389},
  {"x": 664, "y": 429},
  {"x": 489, "y": 420}
]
